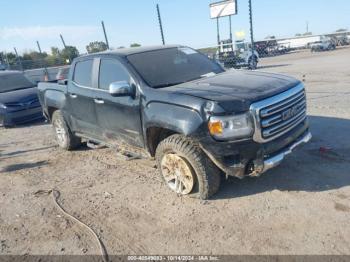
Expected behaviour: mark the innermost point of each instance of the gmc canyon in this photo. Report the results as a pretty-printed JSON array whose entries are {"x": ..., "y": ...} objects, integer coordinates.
[{"x": 173, "y": 103}]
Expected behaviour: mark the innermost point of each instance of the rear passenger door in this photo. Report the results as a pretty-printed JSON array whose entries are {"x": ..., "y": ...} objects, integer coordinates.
[
  {"x": 81, "y": 93},
  {"x": 118, "y": 117}
]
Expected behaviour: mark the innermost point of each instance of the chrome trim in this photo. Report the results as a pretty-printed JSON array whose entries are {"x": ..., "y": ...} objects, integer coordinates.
[
  {"x": 286, "y": 124},
  {"x": 266, "y": 112},
  {"x": 276, "y": 160},
  {"x": 275, "y": 102}
]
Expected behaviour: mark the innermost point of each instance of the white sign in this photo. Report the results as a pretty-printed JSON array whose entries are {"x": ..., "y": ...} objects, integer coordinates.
[{"x": 223, "y": 8}]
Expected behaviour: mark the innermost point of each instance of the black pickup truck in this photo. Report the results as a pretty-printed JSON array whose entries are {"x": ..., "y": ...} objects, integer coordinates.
[{"x": 173, "y": 103}]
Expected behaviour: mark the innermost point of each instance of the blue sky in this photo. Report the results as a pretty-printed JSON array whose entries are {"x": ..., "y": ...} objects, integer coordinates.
[{"x": 185, "y": 21}]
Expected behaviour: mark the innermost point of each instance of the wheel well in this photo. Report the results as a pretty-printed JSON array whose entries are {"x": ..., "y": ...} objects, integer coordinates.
[
  {"x": 50, "y": 111},
  {"x": 155, "y": 135}
]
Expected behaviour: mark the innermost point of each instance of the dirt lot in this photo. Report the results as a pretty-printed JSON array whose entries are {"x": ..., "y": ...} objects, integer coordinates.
[{"x": 301, "y": 207}]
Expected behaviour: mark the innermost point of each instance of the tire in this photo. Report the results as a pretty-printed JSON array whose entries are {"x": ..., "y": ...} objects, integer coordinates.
[
  {"x": 206, "y": 176},
  {"x": 64, "y": 137},
  {"x": 253, "y": 63}
]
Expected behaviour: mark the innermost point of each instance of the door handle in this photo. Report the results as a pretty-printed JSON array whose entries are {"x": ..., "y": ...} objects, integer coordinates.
[
  {"x": 73, "y": 95},
  {"x": 99, "y": 101}
]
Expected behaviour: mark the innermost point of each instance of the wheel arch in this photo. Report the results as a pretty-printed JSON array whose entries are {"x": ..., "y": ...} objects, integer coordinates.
[{"x": 163, "y": 120}]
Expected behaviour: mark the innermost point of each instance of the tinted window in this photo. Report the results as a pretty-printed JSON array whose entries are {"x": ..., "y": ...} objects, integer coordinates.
[
  {"x": 166, "y": 67},
  {"x": 112, "y": 71},
  {"x": 83, "y": 73}
]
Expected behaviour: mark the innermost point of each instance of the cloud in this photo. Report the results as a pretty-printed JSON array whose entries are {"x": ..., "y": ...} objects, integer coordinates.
[{"x": 47, "y": 32}]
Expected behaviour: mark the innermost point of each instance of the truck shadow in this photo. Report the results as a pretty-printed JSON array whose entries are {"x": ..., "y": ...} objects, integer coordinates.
[
  {"x": 16, "y": 167},
  {"x": 321, "y": 165}
]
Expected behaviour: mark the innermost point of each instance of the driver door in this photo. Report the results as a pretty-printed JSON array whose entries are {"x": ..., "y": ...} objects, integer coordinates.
[{"x": 118, "y": 118}]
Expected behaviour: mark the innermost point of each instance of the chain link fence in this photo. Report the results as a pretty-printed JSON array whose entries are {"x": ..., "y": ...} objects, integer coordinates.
[{"x": 23, "y": 65}]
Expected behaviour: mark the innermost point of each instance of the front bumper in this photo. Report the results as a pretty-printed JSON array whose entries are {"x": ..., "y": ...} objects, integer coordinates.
[
  {"x": 249, "y": 158},
  {"x": 20, "y": 117},
  {"x": 277, "y": 159}
]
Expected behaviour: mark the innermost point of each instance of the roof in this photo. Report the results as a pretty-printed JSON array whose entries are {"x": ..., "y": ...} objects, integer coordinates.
[{"x": 135, "y": 50}]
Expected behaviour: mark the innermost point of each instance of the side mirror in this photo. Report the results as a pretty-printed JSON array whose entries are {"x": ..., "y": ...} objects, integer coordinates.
[{"x": 121, "y": 88}]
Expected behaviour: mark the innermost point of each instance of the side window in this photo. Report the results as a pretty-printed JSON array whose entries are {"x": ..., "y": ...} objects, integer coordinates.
[
  {"x": 83, "y": 73},
  {"x": 111, "y": 71}
]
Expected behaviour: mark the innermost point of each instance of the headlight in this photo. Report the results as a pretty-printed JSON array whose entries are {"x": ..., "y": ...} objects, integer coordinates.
[
  {"x": 2, "y": 106},
  {"x": 231, "y": 127}
]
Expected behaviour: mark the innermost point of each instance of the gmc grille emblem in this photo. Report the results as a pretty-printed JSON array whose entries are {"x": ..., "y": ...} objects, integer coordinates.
[{"x": 291, "y": 112}]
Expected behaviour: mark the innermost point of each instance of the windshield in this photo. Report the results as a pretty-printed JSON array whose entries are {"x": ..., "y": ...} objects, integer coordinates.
[
  {"x": 172, "y": 66},
  {"x": 10, "y": 81}
]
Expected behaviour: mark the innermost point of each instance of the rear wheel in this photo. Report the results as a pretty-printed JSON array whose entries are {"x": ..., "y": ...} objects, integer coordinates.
[
  {"x": 65, "y": 138},
  {"x": 186, "y": 169}
]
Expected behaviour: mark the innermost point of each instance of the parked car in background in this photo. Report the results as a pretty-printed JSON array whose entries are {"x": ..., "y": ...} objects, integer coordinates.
[
  {"x": 19, "y": 101},
  {"x": 324, "y": 45},
  {"x": 175, "y": 104},
  {"x": 237, "y": 55}
]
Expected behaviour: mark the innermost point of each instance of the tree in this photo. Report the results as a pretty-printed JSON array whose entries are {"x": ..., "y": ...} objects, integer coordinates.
[
  {"x": 11, "y": 58},
  {"x": 297, "y": 34},
  {"x": 135, "y": 45},
  {"x": 96, "y": 46},
  {"x": 55, "y": 51},
  {"x": 69, "y": 53},
  {"x": 34, "y": 55},
  {"x": 270, "y": 37},
  {"x": 307, "y": 33}
]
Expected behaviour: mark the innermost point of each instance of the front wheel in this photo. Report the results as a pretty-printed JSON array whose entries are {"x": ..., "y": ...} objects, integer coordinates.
[
  {"x": 65, "y": 138},
  {"x": 253, "y": 63},
  {"x": 186, "y": 169}
]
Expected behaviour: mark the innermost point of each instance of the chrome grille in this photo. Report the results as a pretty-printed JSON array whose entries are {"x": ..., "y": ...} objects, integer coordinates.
[{"x": 279, "y": 114}]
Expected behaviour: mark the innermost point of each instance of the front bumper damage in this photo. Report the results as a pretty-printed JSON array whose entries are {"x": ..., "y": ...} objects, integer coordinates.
[
  {"x": 277, "y": 159},
  {"x": 248, "y": 158}
]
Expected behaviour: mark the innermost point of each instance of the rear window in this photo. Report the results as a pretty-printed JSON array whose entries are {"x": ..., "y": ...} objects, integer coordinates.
[{"x": 83, "y": 73}]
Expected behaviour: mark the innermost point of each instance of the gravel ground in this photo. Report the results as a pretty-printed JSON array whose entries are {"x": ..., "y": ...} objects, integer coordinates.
[{"x": 301, "y": 207}]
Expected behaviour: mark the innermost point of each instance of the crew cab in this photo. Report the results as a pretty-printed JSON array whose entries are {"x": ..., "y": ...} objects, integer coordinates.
[{"x": 174, "y": 104}]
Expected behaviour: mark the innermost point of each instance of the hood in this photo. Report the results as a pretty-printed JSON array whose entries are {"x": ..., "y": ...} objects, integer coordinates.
[
  {"x": 236, "y": 90},
  {"x": 19, "y": 96}
]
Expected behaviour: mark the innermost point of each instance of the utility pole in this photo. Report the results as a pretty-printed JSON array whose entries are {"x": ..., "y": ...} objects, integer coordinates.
[
  {"x": 104, "y": 32},
  {"x": 307, "y": 26},
  {"x": 230, "y": 28},
  {"x": 18, "y": 59},
  {"x": 37, "y": 42},
  {"x": 46, "y": 77},
  {"x": 160, "y": 24},
  {"x": 63, "y": 42},
  {"x": 218, "y": 30},
  {"x": 65, "y": 46},
  {"x": 251, "y": 26}
]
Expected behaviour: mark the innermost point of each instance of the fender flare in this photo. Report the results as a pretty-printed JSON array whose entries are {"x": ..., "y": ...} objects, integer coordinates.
[{"x": 178, "y": 118}]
